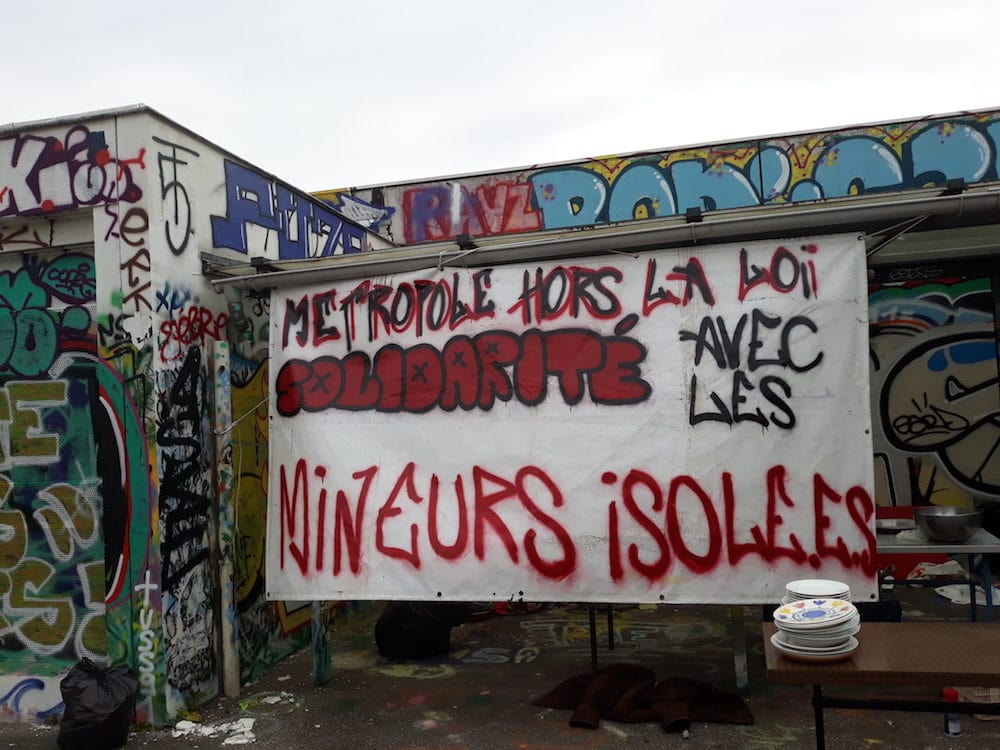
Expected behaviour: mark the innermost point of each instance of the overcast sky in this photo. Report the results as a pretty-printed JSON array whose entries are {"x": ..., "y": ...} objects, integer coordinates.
[{"x": 334, "y": 94}]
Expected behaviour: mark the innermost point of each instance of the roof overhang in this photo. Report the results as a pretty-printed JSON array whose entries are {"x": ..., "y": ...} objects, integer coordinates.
[{"x": 887, "y": 222}]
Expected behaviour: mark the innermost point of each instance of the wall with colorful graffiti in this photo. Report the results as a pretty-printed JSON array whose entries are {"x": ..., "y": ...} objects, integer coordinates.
[
  {"x": 133, "y": 419},
  {"x": 935, "y": 387},
  {"x": 211, "y": 408},
  {"x": 789, "y": 169},
  {"x": 268, "y": 631},
  {"x": 64, "y": 506},
  {"x": 52, "y": 552},
  {"x": 125, "y": 459}
]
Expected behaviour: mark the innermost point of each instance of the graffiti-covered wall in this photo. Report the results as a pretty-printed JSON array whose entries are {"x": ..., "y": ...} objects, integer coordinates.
[
  {"x": 131, "y": 431},
  {"x": 52, "y": 551},
  {"x": 935, "y": 390},
  {"x": 65, "y": 515},
  {"x": 788, "y": 169}
]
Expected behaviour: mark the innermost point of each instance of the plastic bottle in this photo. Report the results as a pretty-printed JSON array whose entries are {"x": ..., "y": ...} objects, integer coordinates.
[{"x": 952, "y": 721}]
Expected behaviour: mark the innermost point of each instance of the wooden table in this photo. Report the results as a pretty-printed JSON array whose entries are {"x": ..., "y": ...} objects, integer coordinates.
[{"x": 932, "y": 654}]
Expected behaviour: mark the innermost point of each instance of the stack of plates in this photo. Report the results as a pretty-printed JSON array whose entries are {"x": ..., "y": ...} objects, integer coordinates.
[
  {"x": 815, "y": 588},
  {"x": 816, "y": 630}
]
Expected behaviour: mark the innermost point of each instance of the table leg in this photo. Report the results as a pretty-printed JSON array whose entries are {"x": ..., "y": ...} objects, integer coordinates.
[
  {"x": 972, "y": 589},
  {"x": 593, "y": 639},
  {"x": 611, "y": 628},
  {"x": 818, "y": 717},
  {"x": 739, "y": 646},
  {"x": 986, "y": 578}
]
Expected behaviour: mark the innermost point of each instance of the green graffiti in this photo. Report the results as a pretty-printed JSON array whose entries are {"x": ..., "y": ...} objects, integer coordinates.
[
  {"x": 31, "y": 332},
  {"x": 36, "y": 342},
  {"x": 70, "y": 278},
  {"x": 20, "y": 290},
  {"x": 51, "y": 556}
]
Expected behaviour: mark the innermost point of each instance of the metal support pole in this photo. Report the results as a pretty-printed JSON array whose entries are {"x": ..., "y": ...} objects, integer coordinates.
[
  {"x": 818, "y": 717},
  {"x": 611, "y": 628}
]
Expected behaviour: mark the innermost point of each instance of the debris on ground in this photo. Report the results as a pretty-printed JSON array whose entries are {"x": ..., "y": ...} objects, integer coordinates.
[{"x": 239, "y": 732}]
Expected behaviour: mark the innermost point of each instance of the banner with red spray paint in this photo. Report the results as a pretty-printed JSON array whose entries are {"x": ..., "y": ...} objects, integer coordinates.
[{"x": 684, "y": 425}]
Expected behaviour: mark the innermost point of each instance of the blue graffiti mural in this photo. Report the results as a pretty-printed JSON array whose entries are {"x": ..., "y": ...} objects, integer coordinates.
[
  {"x": 10, "y": 702},
  {"x": 854, "y": 165},
  {"x": 304, "y": 227},
  {"x": 859, "y": 161},
  {"x": 360, "y": 212}
]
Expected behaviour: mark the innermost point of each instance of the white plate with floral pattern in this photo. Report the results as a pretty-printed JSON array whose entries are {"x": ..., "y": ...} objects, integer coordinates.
[{"x": 813, "y": 613}]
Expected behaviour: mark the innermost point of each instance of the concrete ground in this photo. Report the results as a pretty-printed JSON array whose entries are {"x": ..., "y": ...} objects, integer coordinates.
[{"x": 479, "y": 695}]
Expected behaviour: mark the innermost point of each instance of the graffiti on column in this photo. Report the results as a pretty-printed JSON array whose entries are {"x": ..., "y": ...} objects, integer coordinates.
[
  {"x": 183, "y": 438},
  {"x": 44, "y": 175},
  {"x": 177, "y": 204},
  {"x": 935, "y": 386},
  {"x": 816, "y": 166},
  {"x": 131, "y": 229}
]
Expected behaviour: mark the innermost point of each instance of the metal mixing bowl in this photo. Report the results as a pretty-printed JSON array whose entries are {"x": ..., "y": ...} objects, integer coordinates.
[{"x": 948, "y": 523}]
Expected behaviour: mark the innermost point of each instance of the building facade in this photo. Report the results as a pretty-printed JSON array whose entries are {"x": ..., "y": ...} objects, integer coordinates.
[
  {"x": 933, "y": 268},
  {"x": 134, "y": 390},
  {"x": 134, "y": 408}
]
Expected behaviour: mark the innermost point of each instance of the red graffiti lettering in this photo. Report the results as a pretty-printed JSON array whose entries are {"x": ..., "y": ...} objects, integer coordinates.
[
  {"x": 689, "y": 277},
  {"x": 440, "y": 212},
  {"x": 470, "y": 373},
  {"x": 530, "y": 493},
  {"x": 192, "y": 327},
  {"x": 784, "y": 274},
  {"x": 712, "y": 539},
  {"x": 568, "y": 291}
]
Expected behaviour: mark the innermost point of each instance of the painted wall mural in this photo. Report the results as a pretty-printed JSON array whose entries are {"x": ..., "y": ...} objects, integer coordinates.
[
  {"x": 185, "y": 446},
  {"x": 52, "y": 407},
  {"x": 268, "y": 631},
  {"x": 46, "y": 175},
  {"x": 109, "y": 484},
  {"x": 108, "y": 471},
  {"x": 835, "y": 164},
  {"x": 935, "y": 389},
  {"x": 260, "y": 210}
]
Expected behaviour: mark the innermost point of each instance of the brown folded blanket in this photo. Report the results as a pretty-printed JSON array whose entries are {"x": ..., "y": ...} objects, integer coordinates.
[{"x": 630, "y": 693}]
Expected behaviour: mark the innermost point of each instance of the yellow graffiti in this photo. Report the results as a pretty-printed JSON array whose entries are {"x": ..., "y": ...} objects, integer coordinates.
[
  {"x": 23, "y": 442},
  {"x": 68, "y": 516},
  {"x": 44, "y": 624},
  {"x": 92, "y": 633},
  {"x": 43, "y": 620},
  {"x": 250, "y": 483},
  {"x": 13, "y": 530}
]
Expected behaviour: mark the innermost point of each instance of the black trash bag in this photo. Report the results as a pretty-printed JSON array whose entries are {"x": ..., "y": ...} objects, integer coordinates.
[
  {"x": 99, "y": 704},
  {"x": 414, "y": 630}
]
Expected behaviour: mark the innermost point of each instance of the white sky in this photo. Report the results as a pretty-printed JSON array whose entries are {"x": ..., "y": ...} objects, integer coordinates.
[{"x": 337, "y": 93}]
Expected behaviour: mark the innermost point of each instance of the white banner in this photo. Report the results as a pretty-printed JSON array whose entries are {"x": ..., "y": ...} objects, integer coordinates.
[{"x": 681, "y": 425}]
